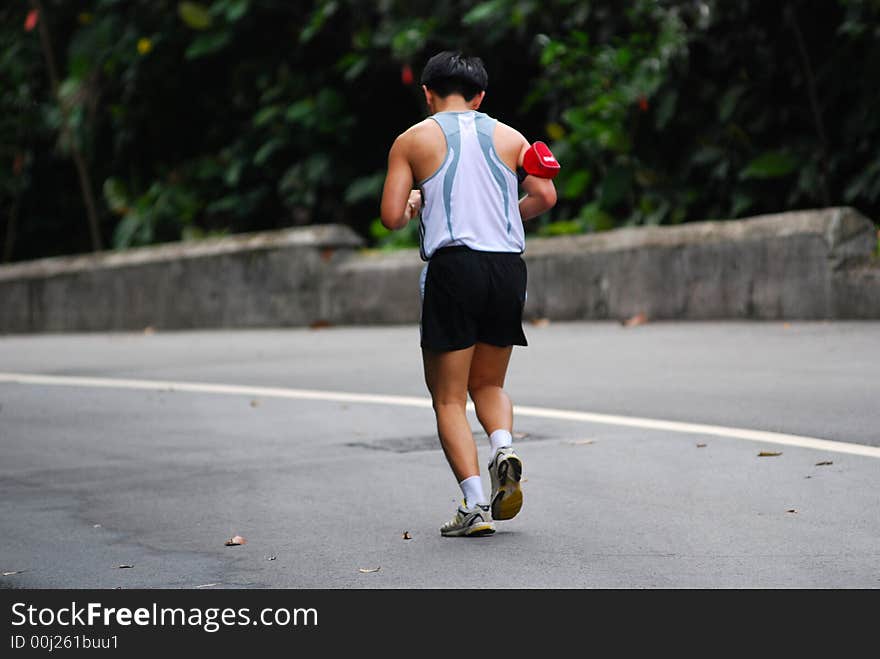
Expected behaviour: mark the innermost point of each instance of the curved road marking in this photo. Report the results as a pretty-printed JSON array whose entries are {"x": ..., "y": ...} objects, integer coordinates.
[{"x": 413, "y": 401}]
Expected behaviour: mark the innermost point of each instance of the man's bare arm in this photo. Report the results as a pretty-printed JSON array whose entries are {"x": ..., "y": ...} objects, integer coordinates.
[
  {"x": 540, "y": 193},
  {"x": 400, "y": 203}
]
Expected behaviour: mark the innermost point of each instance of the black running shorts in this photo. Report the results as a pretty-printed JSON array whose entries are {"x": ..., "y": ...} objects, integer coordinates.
[{"x": 473, "y": 297}]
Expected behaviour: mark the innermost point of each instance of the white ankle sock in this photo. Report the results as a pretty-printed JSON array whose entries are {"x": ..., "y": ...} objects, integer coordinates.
[
  {"x": 472, "y": 489},
  {"x": 499, "y": 439}
]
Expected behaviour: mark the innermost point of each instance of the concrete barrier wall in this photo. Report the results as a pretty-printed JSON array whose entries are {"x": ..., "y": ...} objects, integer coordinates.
[
  {"x": 252, "y": 280},
  {"x": 799, "y": 265}
]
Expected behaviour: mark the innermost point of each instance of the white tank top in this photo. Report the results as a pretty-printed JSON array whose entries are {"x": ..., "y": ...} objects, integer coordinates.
[{"x": 472, "y": 198}]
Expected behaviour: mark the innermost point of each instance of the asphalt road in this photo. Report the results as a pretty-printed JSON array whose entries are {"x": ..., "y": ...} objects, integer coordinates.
[{"x": 112, "y": 471}]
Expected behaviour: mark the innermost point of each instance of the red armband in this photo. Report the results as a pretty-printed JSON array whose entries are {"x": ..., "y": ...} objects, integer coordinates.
[{"x": 539, "y": 161}]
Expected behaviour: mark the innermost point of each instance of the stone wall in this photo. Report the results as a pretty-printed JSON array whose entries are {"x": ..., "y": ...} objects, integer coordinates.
[{"x": 798, "y": 265}]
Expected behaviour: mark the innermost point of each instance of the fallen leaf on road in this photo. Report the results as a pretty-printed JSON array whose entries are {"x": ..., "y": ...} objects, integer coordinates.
[
  {"x": 255, "y": 403},
  {"x": 540, "y": 322},
  {"x": 320, "y": 324},
  {"x": 149, "y": 330},
  {"x": 367, "y": 570},
  {"x": 208, "y": 585},
  {"x": 769, "y": 454},
  {"x": 235, "y": 540},
  {"x": 124, "y": 567},
  {"x": 701, "y": 446},
  {"x": 406, "y": 535},
  {"x": 9, "y": 574},
  {"x": 786, "y": 325},
  {"x": 824, "y": 463},
  {"x": 633, "y": 321}
]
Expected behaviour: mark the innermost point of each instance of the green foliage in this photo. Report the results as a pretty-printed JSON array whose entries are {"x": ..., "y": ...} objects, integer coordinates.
[
  {"x": 237, "y": 115},
  {"x": 195, "y": 15},
  {"x": 157, "y": 215},
  {"x": 389, "y": 240},
  {"x": 771, "y": 164},
  {"x": 22, "y": 116},
  {"x": 562, "y": 228}
]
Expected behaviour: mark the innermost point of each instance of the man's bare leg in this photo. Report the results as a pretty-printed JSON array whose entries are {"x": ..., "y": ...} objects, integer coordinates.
[
  {"x": 495, "y": 411},
  {"x": 446, "y": 374},
  {"x": 486, "y": 387}
]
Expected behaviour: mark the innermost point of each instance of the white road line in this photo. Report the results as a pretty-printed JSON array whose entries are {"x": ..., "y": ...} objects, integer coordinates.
[{"x": 413, "y": 401}]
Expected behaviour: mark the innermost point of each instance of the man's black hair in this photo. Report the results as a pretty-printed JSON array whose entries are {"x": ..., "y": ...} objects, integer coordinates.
[{"x": 450, "y": 72}]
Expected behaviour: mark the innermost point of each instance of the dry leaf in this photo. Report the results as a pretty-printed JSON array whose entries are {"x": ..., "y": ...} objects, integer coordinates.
[
  {"x": 786, "y": 325},
  {"x": 124, "y": 567},
  {"x": 701, "y": 446},
  {"x": 577, "y": 442},
  {"x": 321, "y": 324},
  {"x": 208, "y": 585},
  {"x": 406, "y": 535},
  {"x": 791, "y": 510},
  {"x": 149, "y": 330},
  {"x": 769, "y": 454},
  {"x": 638, "y": 319},
  {"x": 540, "y": 322},
  {"x": 9, "y": 574},
  {"x": 255, "y": 403},
  {"x": 235, "y": 540},
  {"x": 367, "y": 570},
  {"x": 824, "y": 463}
]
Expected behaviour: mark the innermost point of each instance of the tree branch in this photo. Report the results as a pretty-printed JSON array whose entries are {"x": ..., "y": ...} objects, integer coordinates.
[
  {"x": 814, "y": 101},
  {"x": 85, "y": 181}
]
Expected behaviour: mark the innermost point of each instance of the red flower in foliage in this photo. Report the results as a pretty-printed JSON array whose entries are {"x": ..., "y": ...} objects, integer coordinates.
[
  {"x": 31, "y": 21},
  {"x": 643, "y": 104},
  {"x": 406, "y": 75},
  {"x": 18, "y": 164}
]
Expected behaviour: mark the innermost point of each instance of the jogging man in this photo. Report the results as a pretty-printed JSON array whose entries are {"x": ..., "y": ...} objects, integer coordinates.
[{"x": 464, "y": 165}]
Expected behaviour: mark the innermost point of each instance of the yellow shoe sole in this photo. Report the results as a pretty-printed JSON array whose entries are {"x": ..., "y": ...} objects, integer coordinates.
[{"x": 508, "y": 500}]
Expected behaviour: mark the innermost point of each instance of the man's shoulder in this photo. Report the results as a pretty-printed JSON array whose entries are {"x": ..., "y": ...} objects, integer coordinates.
[
  {"x": 416, "y": 130},
  {"x": 508, "y": 137},
  {"x": 508, "y": 131},
  {"x": 417, "y": 138}
]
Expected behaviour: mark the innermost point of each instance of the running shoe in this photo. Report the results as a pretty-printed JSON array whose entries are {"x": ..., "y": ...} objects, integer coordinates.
[
  {"x": 469, "y": 522},
  {"x": 505, "y": 471}
]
